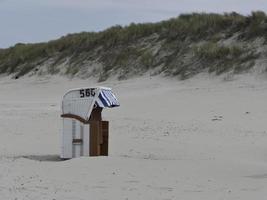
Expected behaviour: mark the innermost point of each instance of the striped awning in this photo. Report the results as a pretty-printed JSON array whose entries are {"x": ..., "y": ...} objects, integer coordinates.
[{"x": 107, "y": 99}]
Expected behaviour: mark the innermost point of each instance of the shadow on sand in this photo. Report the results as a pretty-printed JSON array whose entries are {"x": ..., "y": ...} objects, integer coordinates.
[{"x": 45, "y": 158}]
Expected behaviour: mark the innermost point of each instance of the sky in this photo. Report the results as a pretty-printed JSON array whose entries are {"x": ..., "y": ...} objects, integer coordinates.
[{"x": 30, "y": 21}]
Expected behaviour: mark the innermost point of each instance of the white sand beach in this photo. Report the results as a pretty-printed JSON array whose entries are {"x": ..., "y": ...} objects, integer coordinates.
[{"x": 203, "y": 138}]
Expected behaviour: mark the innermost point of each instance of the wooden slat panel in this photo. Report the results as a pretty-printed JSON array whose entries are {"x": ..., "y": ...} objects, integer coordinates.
[
  {"x": 100, "y": 133},
  {"x": 96, "y": 114},
  {"x": 94, "y": 138},
  {"x": 105, "y": 125},
  {"x": 105, "y": 135}
]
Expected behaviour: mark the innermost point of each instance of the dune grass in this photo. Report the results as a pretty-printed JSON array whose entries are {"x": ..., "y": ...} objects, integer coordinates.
[{"x": 195, "y": 27}]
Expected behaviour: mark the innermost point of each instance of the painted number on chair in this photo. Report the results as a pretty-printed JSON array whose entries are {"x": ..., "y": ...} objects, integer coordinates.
[{"x": 90, "y": 92}]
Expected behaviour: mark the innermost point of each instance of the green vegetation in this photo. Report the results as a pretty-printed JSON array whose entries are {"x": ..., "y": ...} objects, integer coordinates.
[
  {"x": 213, "y": 51},
  {"x": 220, "y": 58},
  {"x": 185, "y": 45}
]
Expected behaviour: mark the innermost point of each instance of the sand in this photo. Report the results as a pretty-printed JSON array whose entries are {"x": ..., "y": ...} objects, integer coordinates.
[{"x": 203, "y": 138}]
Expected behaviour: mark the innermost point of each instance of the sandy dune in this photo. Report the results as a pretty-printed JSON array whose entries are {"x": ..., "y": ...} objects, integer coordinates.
[{"x": 202, "y": 138}]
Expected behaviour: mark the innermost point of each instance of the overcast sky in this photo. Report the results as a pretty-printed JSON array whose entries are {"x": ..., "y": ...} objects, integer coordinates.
[{"x": 42, "y": 20}]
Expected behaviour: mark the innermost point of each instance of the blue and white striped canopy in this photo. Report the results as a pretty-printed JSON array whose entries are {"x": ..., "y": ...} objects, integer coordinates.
[{"x": 107, "y": 99}]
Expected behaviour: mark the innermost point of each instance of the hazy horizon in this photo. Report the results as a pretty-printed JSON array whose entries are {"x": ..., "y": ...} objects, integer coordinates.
[{"x": 28, "y": 21}]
